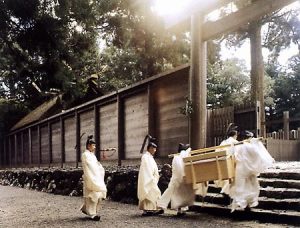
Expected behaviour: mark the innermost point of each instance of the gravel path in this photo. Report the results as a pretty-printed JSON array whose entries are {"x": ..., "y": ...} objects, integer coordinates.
[{"x": 27, "y": 208}]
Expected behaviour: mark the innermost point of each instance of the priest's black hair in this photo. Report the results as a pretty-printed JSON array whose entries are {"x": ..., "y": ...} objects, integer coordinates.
[
  {"x": 232, "y": 133},
  {"x": 151, "y": 144}
]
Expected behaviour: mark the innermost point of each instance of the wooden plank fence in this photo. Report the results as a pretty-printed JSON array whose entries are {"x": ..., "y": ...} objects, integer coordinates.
[
  {"x": 284, "y": 150},
  {"x": 120, "y": 120}
]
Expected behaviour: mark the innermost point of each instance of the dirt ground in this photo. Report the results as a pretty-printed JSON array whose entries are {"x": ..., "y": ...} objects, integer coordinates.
[{"x": 27, "y": 208}]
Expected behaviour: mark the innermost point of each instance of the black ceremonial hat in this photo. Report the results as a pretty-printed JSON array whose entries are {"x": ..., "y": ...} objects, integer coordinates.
[
  {"x": 247, "y": 133},
  {"x": 90, "y": 140},
  {"x": 182, "y": 146}
]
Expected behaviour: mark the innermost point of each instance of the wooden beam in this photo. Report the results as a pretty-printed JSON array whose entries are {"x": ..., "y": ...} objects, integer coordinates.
[
  {"x": 39, "y": 144},
  {"x": 181, "y": 21},
  {"x": 16, "y": 150},
  {"x": 151, "y": 109},
  {"x": 9, "y": 150},
  {"x": 197, "y": 84},
  {"x": 270, "y": 122},
  {"x": 286, "y": 125},
  {"x": 1, "y": 153},
  {"x": 30, "y": 145},
  {"x": 62, "y": 141},
  {"x": 120, "y": 116},
  {"x": 22, "y": 148},
  {"x": 77, "y": 146},
  {"x": 97, "y": 131},
  {"x": 258, "y": 119},
  {"x": 257, "y": 73},
  {"x": 4, "y": 152},
  {"x": 243, "y": 16},
  {"x": 50, "y": 142}
]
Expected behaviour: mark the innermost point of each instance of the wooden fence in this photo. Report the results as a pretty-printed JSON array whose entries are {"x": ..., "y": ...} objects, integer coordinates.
[
  {"x": 245, "y": 117},
  {"x": 284, "y": 150},
  {"x": 120, "y": 119},
  {"x": 284, "y": 144}
]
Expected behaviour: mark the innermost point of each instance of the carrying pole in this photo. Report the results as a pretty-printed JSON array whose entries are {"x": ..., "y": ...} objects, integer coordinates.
[{"x": 208, "y": 149}]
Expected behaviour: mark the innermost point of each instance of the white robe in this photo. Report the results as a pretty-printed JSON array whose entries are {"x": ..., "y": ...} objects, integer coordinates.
[
  {"x": 224, "y": 184},
  {"x": 251, "y": 159},
  {"x": 94, "y": 188},
  {"x": 178, "y": 192},
  {"x": 148, "y": 191}
]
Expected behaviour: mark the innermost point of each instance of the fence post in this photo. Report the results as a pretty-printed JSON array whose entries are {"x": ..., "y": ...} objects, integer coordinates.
[
  {"x": 1, "y": 153},
  {"x": 151, "y": 114},
  {"x": 50, "y": 143},
  {"x": 9, "y": 150},
  {"x": 22, "y": 148},
  {"x": 30, "y": 145},
  {"x": 39, "y": 144},
  {"x": 6, "y": 152},
  {"x": 258, "y": 119},
  {"x": 286, "y": 127},
  {"x": 77, "y": 122},
  {"x": 62, "y": 140},
  {"x": 96, "y": 131},
  {"x": 120, "y": 112},
  {"x": 16, "y": 149}
]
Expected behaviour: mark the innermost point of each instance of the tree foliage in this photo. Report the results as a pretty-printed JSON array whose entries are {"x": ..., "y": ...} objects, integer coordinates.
[
  {"x": 228, "y": 83},
  {"x": 136, "y": 44},
  {"x": 286, "y": 89},
  {"x": 47, "y": 42}
]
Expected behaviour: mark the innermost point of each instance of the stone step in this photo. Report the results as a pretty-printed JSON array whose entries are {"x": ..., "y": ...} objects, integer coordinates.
[
  {"x": 279, "y": 204},
  {"x": 279, "y": 183},
  {"x": 271, "y": 216},
  {"x": 281, "y": 175},
  {"x": 272, "y": 192},
  {"x": 264, "y": 203},
  {"x": 280, "y": 193}
]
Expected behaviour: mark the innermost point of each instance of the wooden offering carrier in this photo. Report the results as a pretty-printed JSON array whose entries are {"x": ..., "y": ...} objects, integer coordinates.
[{"x": 216, "y": 165}]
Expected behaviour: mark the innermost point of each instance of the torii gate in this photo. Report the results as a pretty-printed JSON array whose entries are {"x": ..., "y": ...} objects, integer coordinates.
[{"x": 202, "y": 31}]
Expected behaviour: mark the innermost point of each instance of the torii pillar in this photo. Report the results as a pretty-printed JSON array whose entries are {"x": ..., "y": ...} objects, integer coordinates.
[
  {"x": 257, "y": 74},
  {"x": 197, "y": 83}
]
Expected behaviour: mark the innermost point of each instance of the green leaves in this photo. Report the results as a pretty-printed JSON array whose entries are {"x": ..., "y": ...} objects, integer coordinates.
[
  {"x": 51, "y": 43},
  {"x": 228, "y": 83}
]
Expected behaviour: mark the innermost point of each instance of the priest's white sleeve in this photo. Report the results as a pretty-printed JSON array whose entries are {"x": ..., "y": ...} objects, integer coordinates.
[
  {"x": 93, "y": 174},
  {"x": 148, "y": 179}
]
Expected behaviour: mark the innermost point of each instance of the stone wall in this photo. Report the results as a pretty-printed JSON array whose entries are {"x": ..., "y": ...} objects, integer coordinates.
[{"x": 121, "y": 181}]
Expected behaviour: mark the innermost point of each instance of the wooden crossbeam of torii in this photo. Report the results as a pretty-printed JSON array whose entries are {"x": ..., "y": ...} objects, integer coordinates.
[
  {"x": 230, "y": 22},
  {"x": 201, "y": 6},
  {"x": 243, "y": 16}
]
